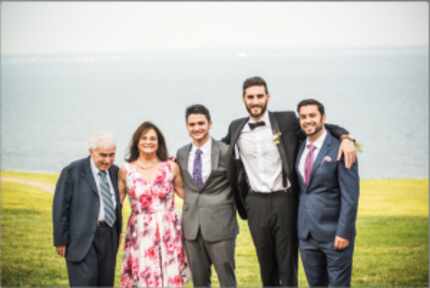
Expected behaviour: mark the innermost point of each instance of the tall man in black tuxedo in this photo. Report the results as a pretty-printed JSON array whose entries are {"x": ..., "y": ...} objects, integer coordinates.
[
  {"x": 263, "y": 152},
  {"x": 87, "y": 215}
]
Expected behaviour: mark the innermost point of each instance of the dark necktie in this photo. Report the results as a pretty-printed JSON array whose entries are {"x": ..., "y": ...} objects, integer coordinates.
[
  {"x": 309, "y": 163},
  {"x": 107, "y": 199},
  {"x": 197, "y": 169},
  {"x": 256, "y": 124}
]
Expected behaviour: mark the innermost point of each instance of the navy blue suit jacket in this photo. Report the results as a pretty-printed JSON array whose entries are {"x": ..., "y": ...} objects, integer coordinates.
[
  {"x": 328, "y": 204},
  {"x": 76, "y": 208}
]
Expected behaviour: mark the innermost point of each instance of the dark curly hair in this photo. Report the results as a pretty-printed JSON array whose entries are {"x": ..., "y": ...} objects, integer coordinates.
[{"x": 133, "y": 153}]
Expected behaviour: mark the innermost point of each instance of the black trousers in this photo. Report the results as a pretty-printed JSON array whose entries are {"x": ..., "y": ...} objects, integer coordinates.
[
  {"x": 98, "y": 266},
  {"x": 272, "y": 220}
]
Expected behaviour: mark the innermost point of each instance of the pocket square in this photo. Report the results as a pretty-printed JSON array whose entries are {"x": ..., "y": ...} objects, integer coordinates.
[{"x": 327, "y": 159}]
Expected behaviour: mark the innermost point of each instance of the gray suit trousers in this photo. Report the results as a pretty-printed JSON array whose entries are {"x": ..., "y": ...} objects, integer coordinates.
[{"x": 201, "y": 254}]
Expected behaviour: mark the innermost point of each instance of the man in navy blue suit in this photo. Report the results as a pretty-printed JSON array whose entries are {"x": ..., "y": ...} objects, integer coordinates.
[
  {"x": 86, "y": 215},
  {"x": 327, "y": 204}
]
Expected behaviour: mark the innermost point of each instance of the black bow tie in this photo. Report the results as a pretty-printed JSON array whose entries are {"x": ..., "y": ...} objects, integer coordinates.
[{"x": 256, "y": 124}]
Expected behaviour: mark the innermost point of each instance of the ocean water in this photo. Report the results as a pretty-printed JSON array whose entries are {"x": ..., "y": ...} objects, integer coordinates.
[{"x": 51, "y": 104}]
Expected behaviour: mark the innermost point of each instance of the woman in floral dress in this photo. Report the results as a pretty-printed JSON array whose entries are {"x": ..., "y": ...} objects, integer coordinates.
[{"x": 154, "y": 253}]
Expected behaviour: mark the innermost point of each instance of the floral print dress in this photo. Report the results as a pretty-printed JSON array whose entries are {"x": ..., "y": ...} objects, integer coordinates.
[{"x": 154, "y": 252}]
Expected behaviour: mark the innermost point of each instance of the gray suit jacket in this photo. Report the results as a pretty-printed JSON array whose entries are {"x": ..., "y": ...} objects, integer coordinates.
[
  {"x": 76, "y": 207},
  {"x": 328, "y": 205},
  {"x": 210, "y": 209}
]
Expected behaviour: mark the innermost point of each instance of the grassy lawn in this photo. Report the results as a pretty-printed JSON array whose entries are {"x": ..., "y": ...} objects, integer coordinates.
[
  {"x": 391, "y": 245},
  {"x": 34, "y": 176}
]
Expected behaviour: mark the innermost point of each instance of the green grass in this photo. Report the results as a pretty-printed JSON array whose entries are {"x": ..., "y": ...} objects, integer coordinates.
[
  {"x": 391, "y": 245},
  {"x": 28, "y": 257},
  {"x": 33, "y": 176}
]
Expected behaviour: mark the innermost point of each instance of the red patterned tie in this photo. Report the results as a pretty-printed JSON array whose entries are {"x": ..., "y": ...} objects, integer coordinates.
[{"x": 309, "y": 162}]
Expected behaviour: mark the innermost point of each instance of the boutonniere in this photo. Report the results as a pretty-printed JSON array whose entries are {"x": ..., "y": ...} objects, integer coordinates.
[{"x": 277, "y": 137}]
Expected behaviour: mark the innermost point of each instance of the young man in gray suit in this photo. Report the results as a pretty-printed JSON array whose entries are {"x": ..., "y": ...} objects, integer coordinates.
[
  {"x": 86, "y": 215},
  {"x": 327, "y": 204},
  {"x": 209, "y": 215}
]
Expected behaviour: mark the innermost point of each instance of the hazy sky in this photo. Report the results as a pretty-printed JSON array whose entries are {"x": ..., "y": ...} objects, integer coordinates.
[{"x": 51, "y": 27}]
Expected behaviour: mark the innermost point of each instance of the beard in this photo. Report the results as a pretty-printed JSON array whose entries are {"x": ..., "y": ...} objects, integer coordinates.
[
  {"x": 317, "y": 129},
  {"x": 263, "y": 109}
]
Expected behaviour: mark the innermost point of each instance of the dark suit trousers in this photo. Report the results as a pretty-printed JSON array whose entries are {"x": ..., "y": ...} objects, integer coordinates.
[
  {"x": 272, "y": 222},
  {"x": 324, "y": 266},
  {"x": 202, "y": 254},
  {"x": 98, "y": 266}
]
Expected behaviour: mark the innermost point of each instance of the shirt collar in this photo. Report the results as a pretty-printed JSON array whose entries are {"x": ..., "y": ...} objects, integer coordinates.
[
  {"x": 205, "y": 148},
  {"x": 320, "y": 141},
  {"x": 94, "y": 168}
]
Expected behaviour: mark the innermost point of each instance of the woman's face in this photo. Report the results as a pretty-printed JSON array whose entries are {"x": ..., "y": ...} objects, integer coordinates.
[{"x": 148, "y": 142}]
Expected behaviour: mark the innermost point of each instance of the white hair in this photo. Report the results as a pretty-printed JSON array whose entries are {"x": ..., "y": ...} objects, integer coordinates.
[{"x": 102, "y": 139}]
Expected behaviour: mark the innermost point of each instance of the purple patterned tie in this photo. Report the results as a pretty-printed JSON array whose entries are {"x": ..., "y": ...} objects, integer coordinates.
[
  {"x": 309, "y": 163},
  {"x": 197, "y": 169}
]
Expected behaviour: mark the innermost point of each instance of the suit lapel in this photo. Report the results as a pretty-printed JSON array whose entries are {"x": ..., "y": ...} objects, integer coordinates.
[
  {"x": 323, "y": 151},
  {"x": 114, "y": 179},
  {"x": 184, "y": 158},
  {"x": 215, "y": 152},
  {"x": 88, "y": 175},
  {"x": 214, "y": 156},
  {"x": 299, "y": 156},
  {"x": 236, "y": 133},
  {"x": 214, "y": 162},
  {"x": 276, "y": 131}
]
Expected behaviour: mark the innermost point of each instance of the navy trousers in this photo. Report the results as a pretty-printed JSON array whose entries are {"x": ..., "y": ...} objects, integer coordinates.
[{"x": 324, "y": 266}]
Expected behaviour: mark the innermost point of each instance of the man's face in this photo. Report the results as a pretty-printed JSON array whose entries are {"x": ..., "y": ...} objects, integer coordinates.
[
  {"x": 256, "y": 99},
  {"x": 198, "y": 127},
  {"x": 103, "y": 156},
  {"x": 311, "y": 120}
]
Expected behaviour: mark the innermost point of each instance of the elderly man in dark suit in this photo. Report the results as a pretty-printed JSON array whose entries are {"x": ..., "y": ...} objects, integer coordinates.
[
  {"x": 263, "y": 152},
  {"x": 327, "y": 204},
  {"x": 209, "y": 214},
  {"x": 87, "y": 215}
]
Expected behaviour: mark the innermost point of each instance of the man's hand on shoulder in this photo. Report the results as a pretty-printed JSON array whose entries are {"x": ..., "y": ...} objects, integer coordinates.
[{"x": 348, "y": 150}]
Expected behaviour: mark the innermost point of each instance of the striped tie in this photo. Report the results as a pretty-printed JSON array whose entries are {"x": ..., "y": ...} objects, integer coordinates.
[{"x": 107, "y": 199}]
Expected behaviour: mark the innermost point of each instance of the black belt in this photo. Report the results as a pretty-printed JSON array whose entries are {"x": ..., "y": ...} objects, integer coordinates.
[
  {"x": 270, "y": 193},
  {"x": 102, "y": 224}
]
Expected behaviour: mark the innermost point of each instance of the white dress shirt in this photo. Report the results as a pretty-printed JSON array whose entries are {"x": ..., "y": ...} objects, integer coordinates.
[
  {"x": 318, "y": 144},
  {"x": 96, "y": 176},
  {"x": 260, "y": 156},
  {"x": 206, "y": 159}
]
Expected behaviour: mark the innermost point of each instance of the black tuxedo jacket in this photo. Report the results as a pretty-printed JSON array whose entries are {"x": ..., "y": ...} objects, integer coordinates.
[
  {"x": 76, "y": 208},
  {"x": 285, "y": 124}
]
